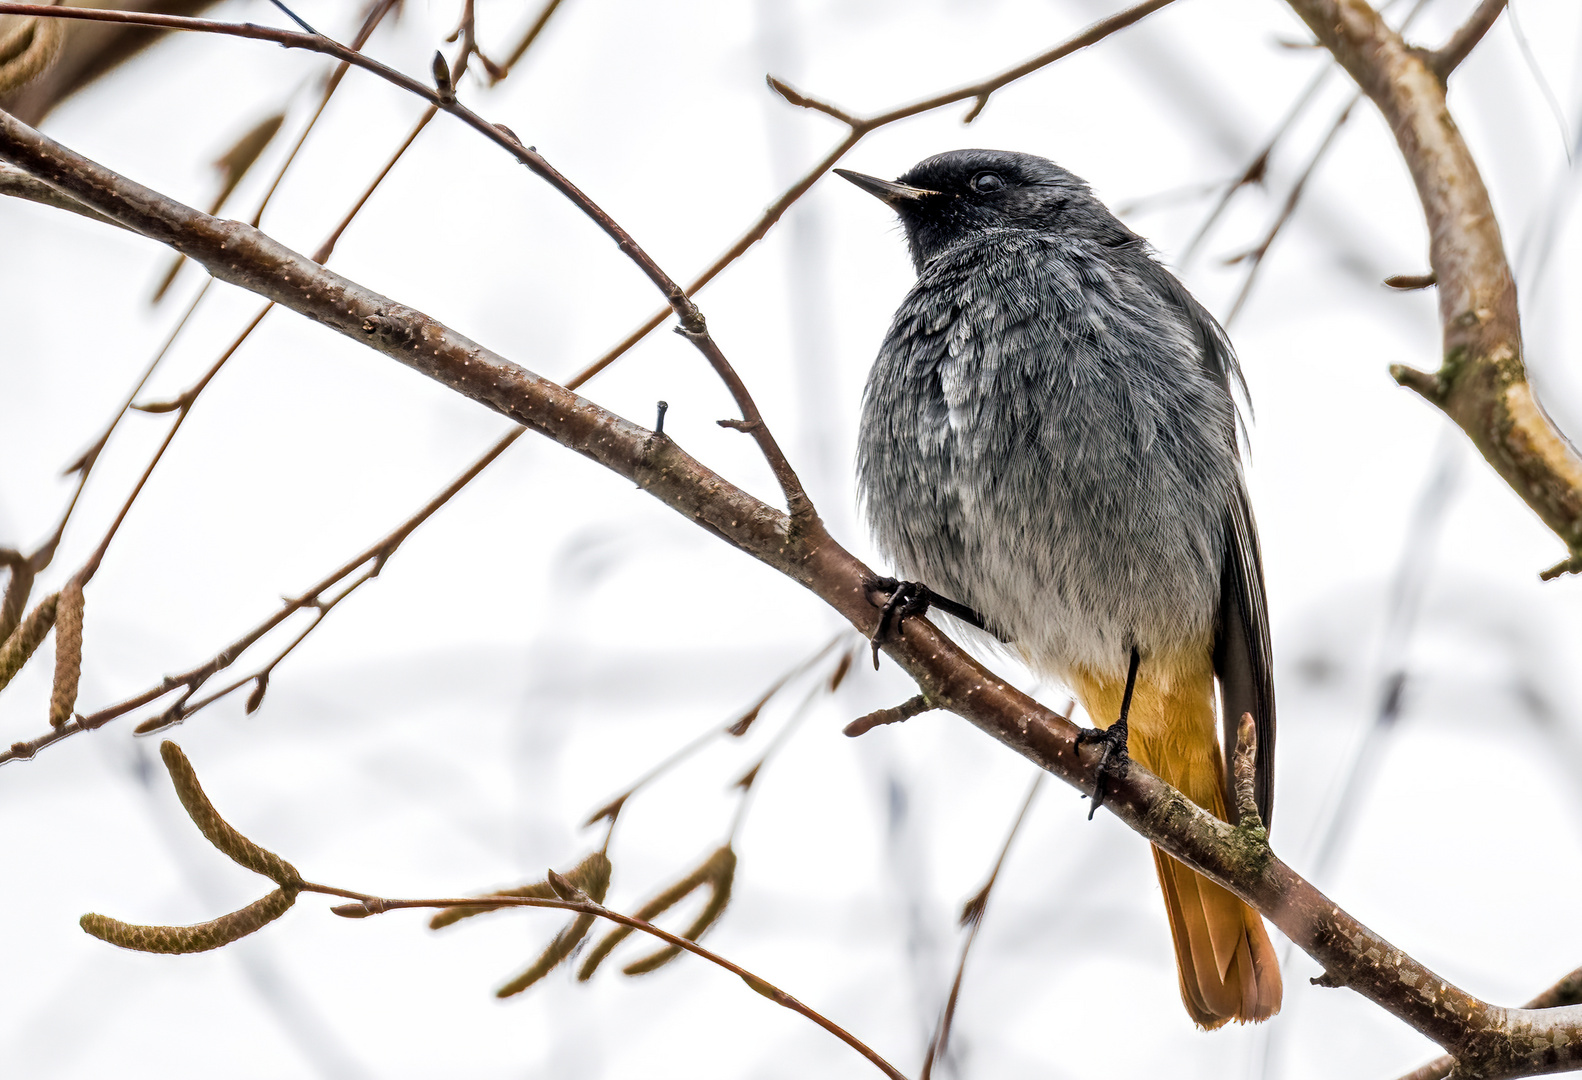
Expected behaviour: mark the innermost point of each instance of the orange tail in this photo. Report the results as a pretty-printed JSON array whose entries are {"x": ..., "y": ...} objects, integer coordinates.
[{"x": 1227, "y": 966}]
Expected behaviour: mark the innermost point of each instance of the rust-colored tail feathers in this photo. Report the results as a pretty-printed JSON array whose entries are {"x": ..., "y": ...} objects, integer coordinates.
[{"x": 1227, "y": 966}]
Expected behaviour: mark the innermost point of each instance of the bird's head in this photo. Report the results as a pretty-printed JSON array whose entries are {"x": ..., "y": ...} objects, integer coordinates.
[{"x": 957, "y": 195}]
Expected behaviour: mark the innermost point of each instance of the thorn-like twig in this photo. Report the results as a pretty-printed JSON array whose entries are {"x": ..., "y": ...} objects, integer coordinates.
[
  {"x": 895, "y": 714},
  {"x": 1445, "y": 59},
  {"x": 1410, "y": 282},
  {"x": 1425, "y": 383},
  {"x": 972, "y": 918}
]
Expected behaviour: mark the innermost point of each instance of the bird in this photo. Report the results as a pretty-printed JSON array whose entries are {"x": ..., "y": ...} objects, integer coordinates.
[{"x": 1049, "y": 448}]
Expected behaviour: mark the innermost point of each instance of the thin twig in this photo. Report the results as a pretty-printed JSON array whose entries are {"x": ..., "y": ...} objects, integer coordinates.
[
  {"x": 972, "y": 918},
  {"x": 858, "y": 128},
  {"x": 1445, "y": 59},
  {"x": 1256, "y": 254},
  {"x": 737, "y": 726},
  {"x": 692, "y": 323},
  {"x": 374, "y": 905},
  {"x": 190, "y": 680}
]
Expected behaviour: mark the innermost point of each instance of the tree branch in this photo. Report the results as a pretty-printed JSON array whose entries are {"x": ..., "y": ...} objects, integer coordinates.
[
  {"x": 694, "y": 328},
  {"x": 1488, "y": 1041},
  {"x": 1445, "y": 59},
  {"x": 858, "y": 127},
  {"x": 1482, "y": 384}
]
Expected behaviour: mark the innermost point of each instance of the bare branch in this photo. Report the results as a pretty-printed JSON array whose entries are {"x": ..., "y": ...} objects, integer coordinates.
[
  {"x": 1568, "y": 991},
  {"x": 858, "y": 128},
  {"x": 1482, "y": 384},
  {"x": 1445, "y": 59},
  {"x": 693, "y": 326}
]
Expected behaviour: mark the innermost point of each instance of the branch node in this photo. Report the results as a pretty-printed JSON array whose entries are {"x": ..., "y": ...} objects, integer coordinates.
[
  {"x": 893, "y": 715},
  {"x": 1570, "y": 565},
  {"x": 1425, "y": 383},
  {"x": 1328, "y": 980},
  {"x": 1244, "y": 770},
  {"x": 444, "y": 84}
]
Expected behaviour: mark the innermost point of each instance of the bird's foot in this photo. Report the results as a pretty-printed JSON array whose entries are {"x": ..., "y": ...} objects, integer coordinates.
[
  {"x": 1113, "y": 761},
  {"x": 903, "y": 599}
]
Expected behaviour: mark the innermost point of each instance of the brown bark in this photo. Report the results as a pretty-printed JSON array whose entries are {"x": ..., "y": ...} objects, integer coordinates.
[{"x": 1482, "y": 384}]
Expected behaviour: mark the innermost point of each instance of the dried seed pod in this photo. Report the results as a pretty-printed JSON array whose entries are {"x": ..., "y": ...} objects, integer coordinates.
[
  {"x": 745, "y": 721},
  {"x": 717, "y": 871},
  {"x": 216, "y": 829},
  {"x": 591, "y": 875},
  {"x": 722, "y": 866},
  {"x": 68, "y": 654},
  {"x": 841, "y": 670},
  {"x": 27, "y": 51},
  {"x": 595, "y": 882},
  {"x": 558, "y": 950},
  {"x": 244, "y": 154},
  {"x": 191, "y": 939},
  {"x": 26, "y": 638},
  {"x": 611, "y": 810}
]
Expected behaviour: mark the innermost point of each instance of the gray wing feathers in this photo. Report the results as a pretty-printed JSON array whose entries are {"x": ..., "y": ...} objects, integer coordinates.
[{"x": 1243, "y": 659}]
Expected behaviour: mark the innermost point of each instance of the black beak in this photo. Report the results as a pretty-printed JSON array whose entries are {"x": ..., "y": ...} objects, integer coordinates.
[{"x": 897, "y": 195}]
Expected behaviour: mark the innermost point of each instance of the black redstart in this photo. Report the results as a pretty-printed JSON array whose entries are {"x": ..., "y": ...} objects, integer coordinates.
[{"x": 1049, "y": 437}]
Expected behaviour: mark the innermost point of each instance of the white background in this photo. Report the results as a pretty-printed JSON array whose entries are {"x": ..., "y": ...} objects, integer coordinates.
[{"x": 553, "y": 633}]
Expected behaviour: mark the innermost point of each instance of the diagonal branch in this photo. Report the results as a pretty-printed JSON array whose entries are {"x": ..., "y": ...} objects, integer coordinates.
[
  {"x": 1568, "y": 991},
  {"x": 693, "y": 326},
  {"x": 1488, "y": 1041},
  {"x": 858, "y": 127},
  {"x": 1482, "y": 384}
]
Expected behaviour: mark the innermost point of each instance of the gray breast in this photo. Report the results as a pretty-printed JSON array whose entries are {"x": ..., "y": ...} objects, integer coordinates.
[{"x": 1043, "y": 440}]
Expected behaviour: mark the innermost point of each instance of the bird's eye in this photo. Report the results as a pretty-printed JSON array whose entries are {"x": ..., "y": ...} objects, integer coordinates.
[{"x": 986, "y": 182}]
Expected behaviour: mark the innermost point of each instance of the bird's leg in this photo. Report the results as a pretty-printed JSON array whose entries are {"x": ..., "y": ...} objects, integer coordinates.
[
  {"x": 1115, "y": 758},
  {"x": 908, "y": 598}
]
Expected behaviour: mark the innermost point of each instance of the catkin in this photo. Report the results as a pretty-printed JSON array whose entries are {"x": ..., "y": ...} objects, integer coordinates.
[
  {"x": 595, "y": 881},
  {"x": 722, "y": 873},
  {"x": 216, "y": 829},
  {"x": 717, "y": 871},
  {"x": 26, "y": 638},
  {"x": 191, "y": 939},
  {"x": 68, "y": 655},
  {"x": 591, "y": 875}
]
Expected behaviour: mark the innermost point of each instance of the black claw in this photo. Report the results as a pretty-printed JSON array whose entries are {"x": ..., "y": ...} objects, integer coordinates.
[
  {"x": 1115, "y": 759},
  {"x": 1113, "y": 762},
  {"x": 907, "y": 598}
]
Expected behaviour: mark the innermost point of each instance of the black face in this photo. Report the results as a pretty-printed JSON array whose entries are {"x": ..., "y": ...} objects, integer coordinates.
[{"x": 956, "y": 195}]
